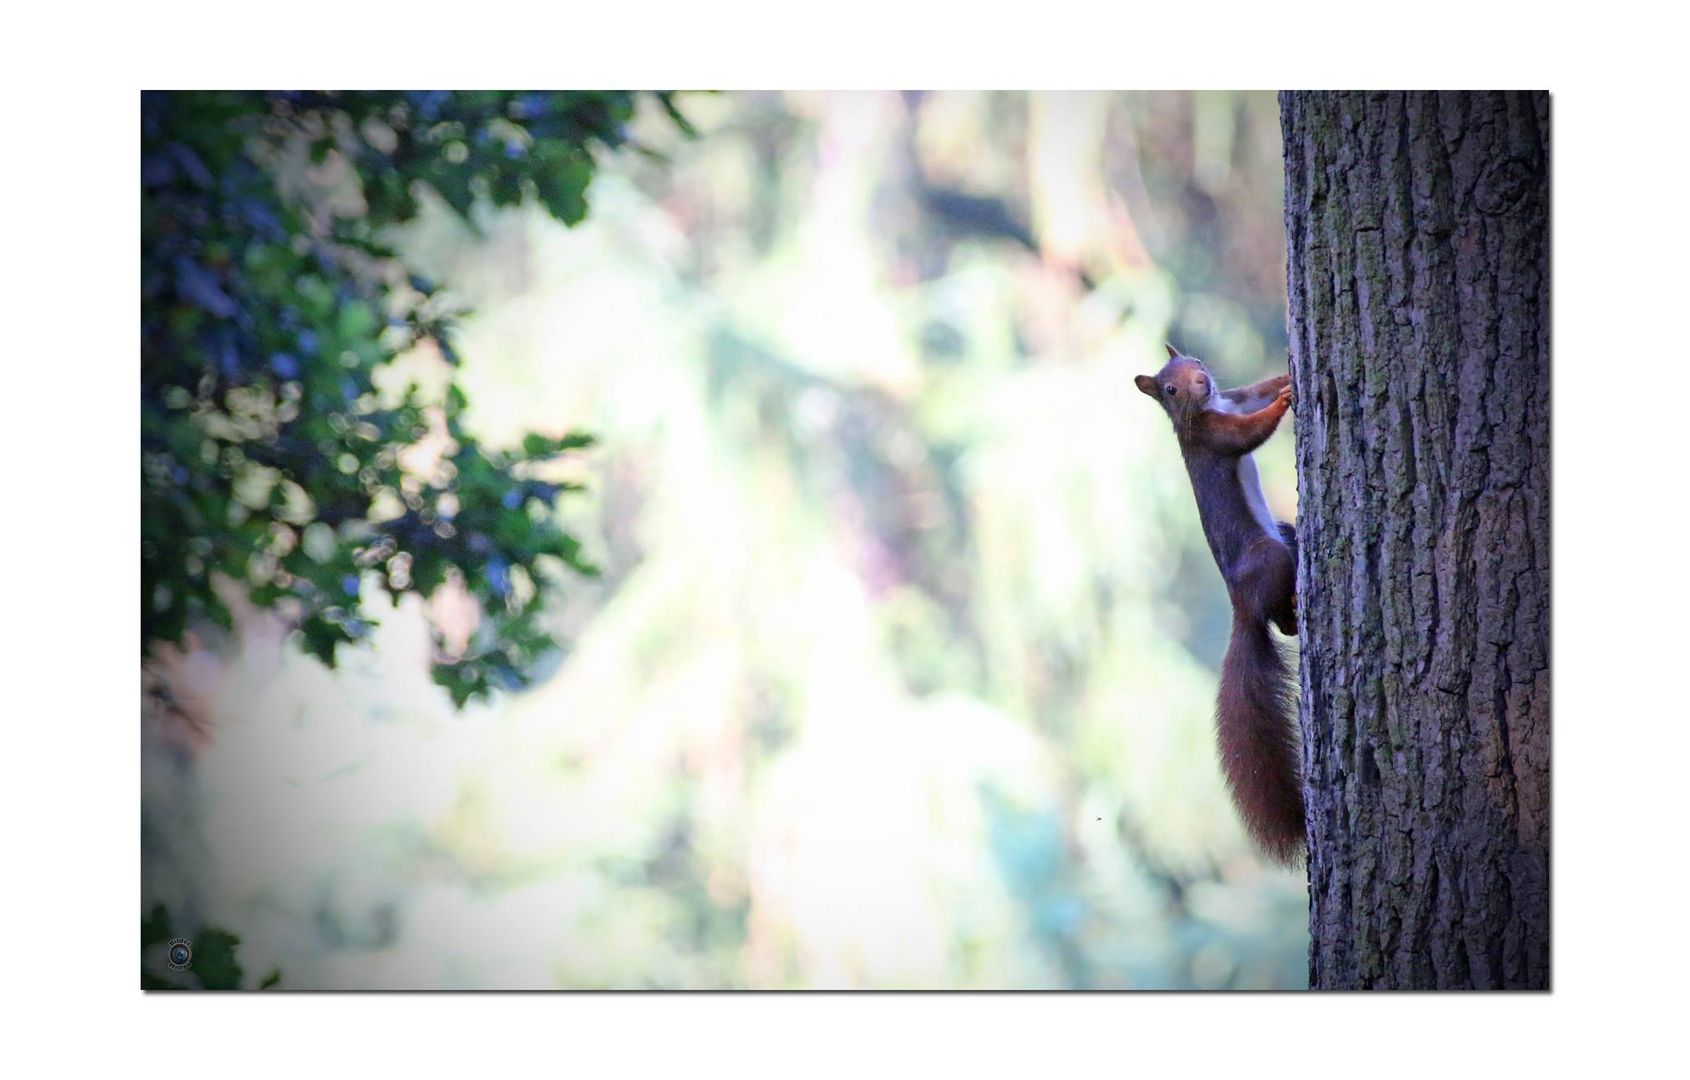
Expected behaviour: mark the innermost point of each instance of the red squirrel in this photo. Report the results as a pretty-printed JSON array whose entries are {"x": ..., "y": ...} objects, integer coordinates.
[{"x": 1255, "y": 713}]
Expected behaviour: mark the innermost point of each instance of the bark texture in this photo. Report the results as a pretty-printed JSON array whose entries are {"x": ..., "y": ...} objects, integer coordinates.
[{"x": 1418, "y": 268}]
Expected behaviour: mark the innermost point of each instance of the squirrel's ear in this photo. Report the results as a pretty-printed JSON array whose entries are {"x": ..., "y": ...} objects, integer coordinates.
[
  {"x": 1146, "y": 384},
  {"x": 1173, "y": 353}
]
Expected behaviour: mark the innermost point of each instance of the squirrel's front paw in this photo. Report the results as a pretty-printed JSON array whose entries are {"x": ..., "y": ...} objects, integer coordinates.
[{"x": 1284, "y": 400}]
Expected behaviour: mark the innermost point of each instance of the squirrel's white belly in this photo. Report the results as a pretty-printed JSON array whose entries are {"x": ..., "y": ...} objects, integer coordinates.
[
  {"x": 1248, "y": 478},
  {"x": 1251, "y": 482}
]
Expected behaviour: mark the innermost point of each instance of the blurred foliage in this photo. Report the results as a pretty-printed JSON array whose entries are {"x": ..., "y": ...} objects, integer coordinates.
[
  {"x": 901, "y": 665},
  {"x": 214, "y": 964},
  {"x": 277, "y": 468}
]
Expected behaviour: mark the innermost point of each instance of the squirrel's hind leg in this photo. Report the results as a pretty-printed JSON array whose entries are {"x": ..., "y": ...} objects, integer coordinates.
[
  {"x": 1267, "y": 585},
  {"x": 1285, "y": 617}
]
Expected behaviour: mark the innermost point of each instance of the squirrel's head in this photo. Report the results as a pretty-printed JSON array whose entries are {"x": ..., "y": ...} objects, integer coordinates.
[{"x": 1182, "y": 387}]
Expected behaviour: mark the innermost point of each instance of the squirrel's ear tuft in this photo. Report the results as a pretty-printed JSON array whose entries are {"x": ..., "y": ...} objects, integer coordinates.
[
  {"x": 1173, "y": 353},
  {"x": 1146, "y": 384}
]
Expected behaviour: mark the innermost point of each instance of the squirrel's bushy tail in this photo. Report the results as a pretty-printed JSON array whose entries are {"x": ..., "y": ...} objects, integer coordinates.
[{"x": 1256, "y": 728}]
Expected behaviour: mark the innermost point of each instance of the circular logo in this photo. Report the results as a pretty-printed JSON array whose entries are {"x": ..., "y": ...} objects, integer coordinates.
[{"x": 180, "y": 953}]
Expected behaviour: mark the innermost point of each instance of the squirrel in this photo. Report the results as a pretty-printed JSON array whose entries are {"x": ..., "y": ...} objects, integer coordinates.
[{"x": 1255, "y": 715}]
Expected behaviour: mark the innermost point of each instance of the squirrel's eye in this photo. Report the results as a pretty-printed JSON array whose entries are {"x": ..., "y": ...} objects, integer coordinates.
[{"x": 1171, "y": 389}]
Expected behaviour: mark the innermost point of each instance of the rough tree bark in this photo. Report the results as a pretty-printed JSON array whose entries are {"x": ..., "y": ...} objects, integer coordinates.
[{"x": 1419, "y": 322}]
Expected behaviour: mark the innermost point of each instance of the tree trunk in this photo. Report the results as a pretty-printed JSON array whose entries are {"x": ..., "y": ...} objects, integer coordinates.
[{"x": 1419, "y": 324}]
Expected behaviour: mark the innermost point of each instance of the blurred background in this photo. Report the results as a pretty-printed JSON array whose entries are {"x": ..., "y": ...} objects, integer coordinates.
[{"x": 900, "y": 667}]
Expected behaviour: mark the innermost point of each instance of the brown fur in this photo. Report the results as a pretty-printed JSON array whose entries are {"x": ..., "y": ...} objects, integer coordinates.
[{"x": 1255, "y": 713}]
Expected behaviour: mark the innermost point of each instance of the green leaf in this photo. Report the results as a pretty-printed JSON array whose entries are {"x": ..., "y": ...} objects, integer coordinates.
[
  {"x": 214, "y": 960},
  {"x": 537, "y": 445},
  {"x": 357, "y": 321},
  {"x": 562, "y": 186},
  {"x": 667, "y": 99},
  {"x": 155, "y": 928},
  {"x": 456, "y": 402},
  {"x": 320, "y": 638}
]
